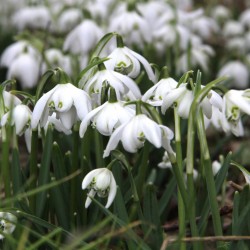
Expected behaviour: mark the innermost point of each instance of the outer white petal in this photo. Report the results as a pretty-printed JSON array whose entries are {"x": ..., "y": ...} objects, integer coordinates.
[
  {"x": 39, "y": 108},
  {"x": 149, "y": 92},
  {"x": 91, "y": 194},
  {"x": 88, "y": 117},
  {"x": 4, "y": 119},
  {"x": 146, "y": 65},
  {"x": 10, "y": 100},
  {"x": 89, "y": 177},
  {"x": 27, "y": 137},
  {"x": 167, "y": 135},
  {"x": 151, "y": 130},
  {"x": 185, "y": 104},
  {"x": 112, "y": 191},
  {"x": 114, "y": 140},
  {"x": 68, "y": 118}
]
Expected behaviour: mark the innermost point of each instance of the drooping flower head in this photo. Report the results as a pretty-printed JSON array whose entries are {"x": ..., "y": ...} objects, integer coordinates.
[
  {"x": 101, "y": 182},
  {"x": 7, "y": 223}
]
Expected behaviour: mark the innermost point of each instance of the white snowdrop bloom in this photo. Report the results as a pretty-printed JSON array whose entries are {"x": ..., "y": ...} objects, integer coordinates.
[
  {"x": 107, "y": 117},
  {"x": 215, "y": 120},
  {"x": 7, "y": 223},
  {"x": 68, "y": 102},
  {"x": 155, "y": 94},
  {"x": 14, "y": 50},
  {"x": 216, "y": 166},
  {"x": 21, "y": 116},
  {"x": 10, "y": 100},
  {"x": 135, "y": 30},
  {"x": 235, "y": 102},
  {"x": 134, "y": 133},
  {"x": 184, "y": 4},
  {"x": 68, "y": 19},
  {"x": 35, "y": 17},
  {"x": 182, "y": 97},
  {"x": 233, "y": 28},
  {"x": 25, "y": 68},
  {"x": 83, "y": 38},
  {"x": 127, "y": 62},
  {"x": 237, "y": 45},
  {"x": 245, "y": 18},
  {"x": 185, "y": 37},
  {"x": 121, "y": 83},
  {"x": 221, "y": 13},
  {"x": 165, "y": 163},
  {"x": 238, "y": 72},
  {"x": 101, "y": 182},
  {"x": 205, "y": 27},
  {"x": 200, "y": 56},
  {"x": 56, "y": 58}
]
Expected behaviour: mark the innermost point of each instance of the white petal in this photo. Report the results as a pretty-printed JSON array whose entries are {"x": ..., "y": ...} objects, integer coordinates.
[
  {"x": 68, "y": 118},
  {"x": 89, "y": 177},
  {"x": 112, "y": 192},
  {"x": 27, "y": 137},
  {"x": 91, "y": 194}
]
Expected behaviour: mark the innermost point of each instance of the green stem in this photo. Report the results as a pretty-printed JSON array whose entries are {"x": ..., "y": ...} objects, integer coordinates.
[
  {"x": 33, "y": 167},
  {"x": 181, "y": 207},
  {"x": 74, "y": 183},
  {"x": 6, "y": 132},
  {"x": 98, "y": 149},
  {"x": 211, "y": 188}
]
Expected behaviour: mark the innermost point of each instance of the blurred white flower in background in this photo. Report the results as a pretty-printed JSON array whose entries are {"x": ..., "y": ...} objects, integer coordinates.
[
  {"x": 221, "y": 13},
  {"x": 101, "y": 182},
  {"x": 7, "y": 223},
  {"x": 233, "y": 28},
  {"x": 245, "y": 18},
  {"x": 238, "y": 73}
]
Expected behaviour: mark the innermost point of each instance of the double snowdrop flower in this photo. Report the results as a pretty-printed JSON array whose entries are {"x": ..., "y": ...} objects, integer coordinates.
[
  {"x": 235, "y": 102},
  {"x": 155, "y": 94},
  {"x": 122, "y": 84},
  {"x": 107, "y": 117},
  {"x": 101, "y": 182},
  {"x": 134, "y": 133},
  {"x": 7, "y": 223},
  {"x": 127, "y": 62},
  {"x": 21, "y": 117},
  {"x": 68, "y": 102},
  {"x": 182, "y": 97}
]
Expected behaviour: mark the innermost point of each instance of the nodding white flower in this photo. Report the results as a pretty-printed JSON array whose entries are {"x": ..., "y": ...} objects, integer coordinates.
[
  {"x": 238, "y": 72},
  {"x": 101, "y": 182},
  {"x": 7, "y": 223},
  {"x": 205, "y": 27},
  {"x": 245, "y": 18},
  {"x": 21, "y": 117},
  {"x": 199, "y": 56},
  {"x": 35, "y": 17},
  {"x": 135, "y": 30},
  {"x": 107, "y": 117},
  {"x": 216, "y": 166},
  {"x": 69, "y": 18},
  {"x": 237, "y": 45},
  {"x": 127, "y": 62},
  {"x": 155, "y": 94},
  {"x": 182, "y": 97},
  {"x": 83, "y": 38},
  {"x": 68, "y": 102},
  {"x": 232, "y": 29},
  {"x": 10, "y": 100},
  {"x": 16, "y": 49},
  {"x": 56, "y": 58},
  {"x": 221, "y": 13},
  {"x": 25, "y": 68},
  {"x": 122, "y": 84},
  {"x": 235, "y": 102},
  {"x": 165, "y": 163},
  {"x": 134, "y": 133}
]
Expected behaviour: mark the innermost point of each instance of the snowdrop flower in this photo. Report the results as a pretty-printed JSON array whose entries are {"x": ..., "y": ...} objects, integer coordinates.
[
  {"x": 135, "y": 30},
  {"x": 238, "y": 72},
  {"x": 127, "y": 62},
  {"x": 107, "y": 117},
  {"x": 102, "y": 182},
  {"x": 83, "y": 38},
  {"x": 55, "y": 59},
  {"x": 235, "y": 102},
  {"x": 14, "y": 50},
  {"x": 10, "y": 100},
  {"x": 232, "y": 29},
  {"x": 216, "y": 166},
  {"x": 155, "y": 94},
  {"x": 165, "y": 163},
  {"x": 205, "y": 27},
  {"x": 25, "y": 68},
  {"x": 68, "y": 102},
  {"x": 245, "y": 18},
  {"x": 221, "y": 13},
  {"x": 68, "y": 19},
  {"x": 35, "y": 17},
  {"x": 182, "y": 97},
  {"x": 237, "y": 45},
  {"x": 21, "y": 117},
  {"x": 134, "y": 133},
  {"x": 7, "y": 223},
  {"x": 121, "y": 83}
]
